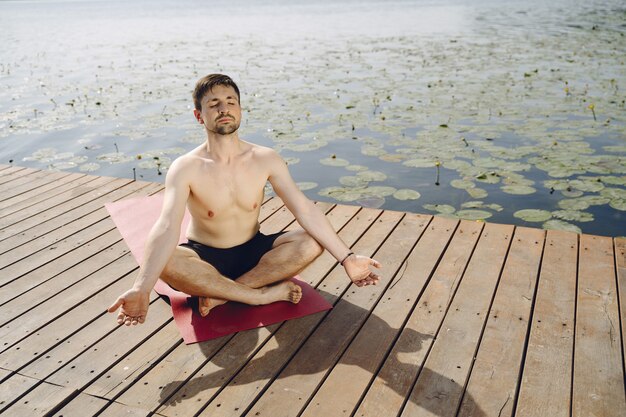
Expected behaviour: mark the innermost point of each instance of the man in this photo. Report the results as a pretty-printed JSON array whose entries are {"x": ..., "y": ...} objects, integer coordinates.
[{"x": 222, "y": 184}]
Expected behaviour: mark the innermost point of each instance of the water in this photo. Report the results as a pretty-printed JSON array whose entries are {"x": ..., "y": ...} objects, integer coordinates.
[{"x": 105, "y": 87}]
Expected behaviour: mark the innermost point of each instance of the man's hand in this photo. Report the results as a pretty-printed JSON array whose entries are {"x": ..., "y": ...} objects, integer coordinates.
[
  {"x": 358, "y": 269},
  {"x": 134, "y": 307}
]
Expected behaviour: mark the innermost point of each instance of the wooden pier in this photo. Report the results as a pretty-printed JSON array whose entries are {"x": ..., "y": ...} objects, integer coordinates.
[{"x": 471, "y": 319}]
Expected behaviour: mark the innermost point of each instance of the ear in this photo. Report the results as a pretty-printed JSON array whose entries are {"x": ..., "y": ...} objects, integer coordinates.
[{"x": 198, "y": 116}]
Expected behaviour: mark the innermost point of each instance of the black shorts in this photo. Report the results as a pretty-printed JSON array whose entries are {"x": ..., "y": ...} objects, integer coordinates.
[{"x": 236, "y": 261}]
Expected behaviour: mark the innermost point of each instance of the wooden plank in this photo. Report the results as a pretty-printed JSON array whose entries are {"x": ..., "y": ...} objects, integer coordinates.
[
  {"x": 44, "y": 246},
  {"x": 394, "y": 380},
  {"x": 67, "y": 234},
  {"x": 288, "y": 337},
  {"x": 545, "y": 385},
  {"x": 598, "y": 386},
  {"x": 13, "y": 386},
  {"x": 58, "y": 330},
  {"x": 31, "y": 192},
  {"x": 164, "y": 380},
  {"x": 81, "y": 406},
  {"x": 289, "y": 392},
  {"x": 41, "y": 399},
  {"x": 440, "y": 384},
  {"x": 12, "y": 187},
  {"x": 42, "y": 202},
  {"x": 15, "y": 173},
  {"x": 493, "y": 383},
  {"x": 137, "y": 364},
  {"x": 361, "y": 361},
  {"x": 620, "y": 264},
  {"x": 88, "y": 405},
  {"x": 43, "y": 313},
  {"x": 87, "y": 354},
  {"x": 40, "y": 199},
  {"x": 120, "y": 410},
  {"x": 57, "y": 206},
  {"x": 23, "y": 295}
]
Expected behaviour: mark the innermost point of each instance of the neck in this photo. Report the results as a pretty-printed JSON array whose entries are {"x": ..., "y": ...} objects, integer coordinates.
[{"x": 223, "y": 147}]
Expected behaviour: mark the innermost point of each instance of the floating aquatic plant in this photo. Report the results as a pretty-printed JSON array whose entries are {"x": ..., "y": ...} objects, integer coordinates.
[{"x": 533, "y": 215}]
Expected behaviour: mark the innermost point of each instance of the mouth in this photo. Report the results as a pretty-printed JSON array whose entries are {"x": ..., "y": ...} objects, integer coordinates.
[{"x": 225, "y": 120}]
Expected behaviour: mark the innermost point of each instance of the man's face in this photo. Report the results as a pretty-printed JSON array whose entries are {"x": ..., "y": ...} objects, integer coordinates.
[{"x": 221, "y": 112}]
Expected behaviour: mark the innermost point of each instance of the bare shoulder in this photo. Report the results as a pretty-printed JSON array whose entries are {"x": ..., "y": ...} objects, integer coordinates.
[
  {"x": 265, "y": 155},
  {"x": 183, "y": 169}
]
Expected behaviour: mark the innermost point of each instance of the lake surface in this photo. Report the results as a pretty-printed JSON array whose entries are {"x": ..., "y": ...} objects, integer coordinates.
[{"x": 508, "y": 111}]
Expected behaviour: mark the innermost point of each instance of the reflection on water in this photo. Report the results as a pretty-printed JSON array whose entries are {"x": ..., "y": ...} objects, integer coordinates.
[{"x": 484, "y": 107}]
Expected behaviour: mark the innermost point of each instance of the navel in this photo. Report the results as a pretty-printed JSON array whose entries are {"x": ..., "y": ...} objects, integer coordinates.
[{"x": 211, "y": 214}]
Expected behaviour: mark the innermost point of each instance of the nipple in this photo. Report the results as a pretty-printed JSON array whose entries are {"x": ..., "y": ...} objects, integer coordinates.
[
  {"x": 211, "y": 214},
  {"x": 255, "y": 205}
]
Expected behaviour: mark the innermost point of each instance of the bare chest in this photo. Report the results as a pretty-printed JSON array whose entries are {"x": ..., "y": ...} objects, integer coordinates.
[{"x": 225, "y": 193}]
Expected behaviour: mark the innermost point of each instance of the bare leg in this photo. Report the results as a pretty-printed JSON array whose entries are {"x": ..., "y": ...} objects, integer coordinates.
[
  {"x": 188, "y": 273},
  {"x": 290, "y": 254}
]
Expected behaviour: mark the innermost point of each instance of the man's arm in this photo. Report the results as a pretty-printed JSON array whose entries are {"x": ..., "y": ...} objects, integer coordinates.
[
  {"x": 317, "y": 225},
  {"x": 160, "y": 245}
]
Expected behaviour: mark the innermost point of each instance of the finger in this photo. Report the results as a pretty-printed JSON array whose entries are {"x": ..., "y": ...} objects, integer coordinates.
[
  {"x": 116, "y": 305},
  {"x": 134, "y": 321},
  {"x": 120, "y": 318},
  {"x": 375, "y": 263},
  {"x": 128, "y": 320},
  {"x": 142, "y": 319}
]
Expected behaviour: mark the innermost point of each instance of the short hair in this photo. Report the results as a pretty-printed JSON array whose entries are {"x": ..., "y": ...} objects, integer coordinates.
[{"x": 206, "y": 84}]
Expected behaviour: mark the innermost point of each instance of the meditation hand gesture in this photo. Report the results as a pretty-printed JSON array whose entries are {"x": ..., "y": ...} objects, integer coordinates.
[
  {"x": 358, "y": 269},
  {"x": 134, "y": 305}
]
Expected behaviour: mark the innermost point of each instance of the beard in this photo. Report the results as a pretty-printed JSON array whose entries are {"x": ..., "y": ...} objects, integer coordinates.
[{"x": 227, "y": 129}]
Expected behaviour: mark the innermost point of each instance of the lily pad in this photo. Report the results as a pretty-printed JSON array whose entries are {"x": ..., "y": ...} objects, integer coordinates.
[
  {"x": 477, "y": 192},
  {"x": 371, "y": 201},
  {"x": 90, "y": 167},
  {"x": 372, "y": 175},
  {"x": 380, "y": 191},
  {"x": 419, "y": 163},
  {"x": 533, "y": 215},
  {"x": 572, "y": 193},
  {"x": 406, "y": 194},
  {"x": 357, "y": 168},
  {"x": 574, "y": 204},
  {"x": 573, "y": 215},
  {"x": 305, "y": 186},
  {"x": 472, "y": 214},
  {"x": 555, "y": 224},
  {"x": 618, "y": 204},
  {"x": 440, "y": 208},
  {"x": 462, "y": 184},
  {"x": 518, "y": 189}
]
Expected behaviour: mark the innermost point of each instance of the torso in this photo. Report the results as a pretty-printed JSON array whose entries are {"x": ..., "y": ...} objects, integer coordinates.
[{"x": 225, "y": 199}]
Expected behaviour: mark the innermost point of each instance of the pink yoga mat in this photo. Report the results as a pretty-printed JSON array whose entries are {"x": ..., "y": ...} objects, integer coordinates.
[{"x": 135, "y": 217}]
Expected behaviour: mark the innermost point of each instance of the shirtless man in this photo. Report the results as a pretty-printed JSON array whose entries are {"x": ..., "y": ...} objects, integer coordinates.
[{"x": 222, "y": 183}]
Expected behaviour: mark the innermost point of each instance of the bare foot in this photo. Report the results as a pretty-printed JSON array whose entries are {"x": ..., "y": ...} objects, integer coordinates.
[
  {"x": 284, "y": 291},
  {"x": 206, "y": 304}
]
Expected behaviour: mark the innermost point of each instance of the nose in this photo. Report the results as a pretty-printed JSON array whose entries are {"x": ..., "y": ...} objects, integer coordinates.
[{"x": 222, "y": 108}]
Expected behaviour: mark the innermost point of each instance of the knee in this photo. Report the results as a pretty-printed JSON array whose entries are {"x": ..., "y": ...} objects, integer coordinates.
[
  {"x": 173, "y": 265},
  {"x": 168, "y": 270},
  {"x": 309, "y": 247}
]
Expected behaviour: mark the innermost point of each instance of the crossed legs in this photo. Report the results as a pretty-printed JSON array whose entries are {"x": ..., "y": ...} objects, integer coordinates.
[{"x": 266, "y": 283}]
